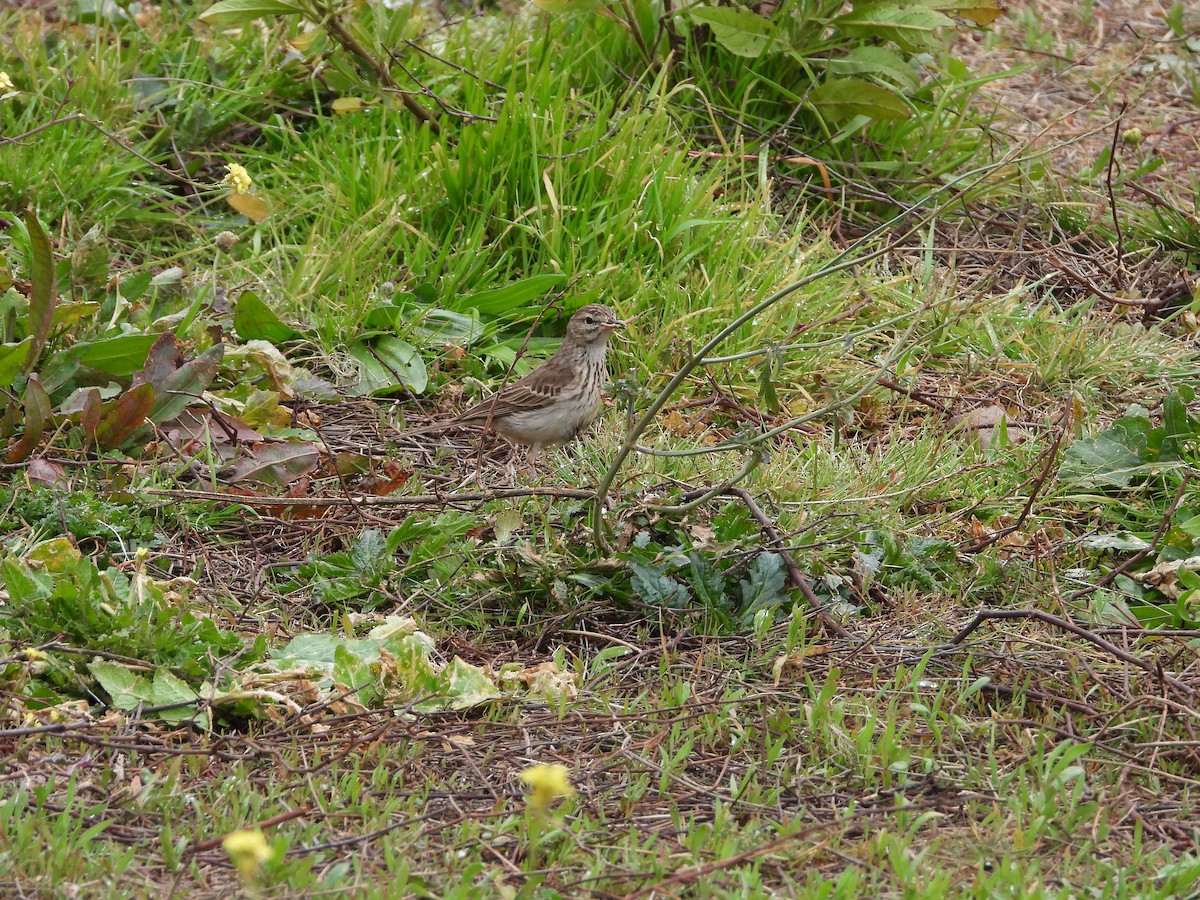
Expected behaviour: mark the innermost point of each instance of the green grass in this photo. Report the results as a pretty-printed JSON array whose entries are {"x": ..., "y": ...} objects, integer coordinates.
[{"x": 720, "y": 742}]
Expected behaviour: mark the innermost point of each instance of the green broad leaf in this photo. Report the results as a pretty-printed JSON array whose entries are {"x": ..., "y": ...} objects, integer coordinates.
[
  {"x": 44, "y": 296},
  {"x": 1112, "y": 459},
  {"x": 1191, "y": 526},
  {"x": 168, "y": 689},
  {"x": 737, "y": 30},
  {"x": 261, "y": 409},
  {"x": 89, "y": 261},
  {"x": 877, "y": 63},
  {"x": 443, "y": 326},
  {"x": 238, "y": 12},
  {"x": 132, "y": 287},
  {"x": 127, "y": 689},
  {"x": 707, "y": 581},
  {"x": 912, "y": 28},
  {"x": 1120, "y": 540},
  {"x": 56, "y": 555},
  {"x": 24, "y": 585},
  {"x": 185, "y": 385},
  {"x": 403, "y": 360},
  {"x": 354, "y": 672},
  {"x": 1177, "y": 428},
  {"x": 373, "y": 375},
  {"x": 764, "y": 586},
  {"x": 654, "y": 586},
  {"x": 843, "y": 98},
  {"x": 387, "y": 364},
  {"x": 121, "y": 355},
  {"x": 67, "y": 315},
  {"x": 464, "y": 685},
  {"x": 253, "y": 320},
  {"x": 512, "y": 297},
  {"x": 12, "y": 360},
  {"x": 122, "y": 417}
]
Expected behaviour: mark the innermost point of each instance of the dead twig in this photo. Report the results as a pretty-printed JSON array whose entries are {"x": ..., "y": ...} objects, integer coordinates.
[
  {"x": 794, "y": 574},
  {"x": 1051, "y": 455},
  {"x": 1154, "y": 670}
]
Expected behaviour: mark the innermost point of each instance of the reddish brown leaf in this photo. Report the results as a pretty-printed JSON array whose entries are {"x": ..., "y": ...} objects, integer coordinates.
[
  {"x": 10, "y": 419},
  {"x": 209, "y": 425},
  {"x": 185, "y": 385},
  {"x": 43, "y": 472},
  {"x": 162, "y": 360},
  {"x": 124, "y": 415},
  {"x": 268, "y": 505},
  {"x": 92, "y": 408},
  {"x": 275, "y": 462},
  {"x": 394, "y": 477},
  {"x": 37, "y": 411}
]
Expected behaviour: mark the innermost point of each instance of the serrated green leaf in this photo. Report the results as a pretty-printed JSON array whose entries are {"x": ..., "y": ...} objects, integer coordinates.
[
  {"x": 1114, "y": 458},
  {"x": 654, "y": 586},
  {"x": 763, "y": 587}
]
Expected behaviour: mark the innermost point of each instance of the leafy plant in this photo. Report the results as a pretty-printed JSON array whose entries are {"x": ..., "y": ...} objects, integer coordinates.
[
  {"x": 1134, "y": 449},
  {"x": 55, "y": 593}
]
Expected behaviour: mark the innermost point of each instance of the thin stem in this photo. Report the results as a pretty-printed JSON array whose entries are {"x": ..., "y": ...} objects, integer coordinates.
[{"x": 848, "y": 258}]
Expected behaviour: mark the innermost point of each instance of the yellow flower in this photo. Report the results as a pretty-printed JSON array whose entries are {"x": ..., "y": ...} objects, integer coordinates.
[
  {"x": 248, "y": 849},
  {"x": 238, "y": 180},
  {"x": 547, "y": 782},
  {"x": 6, "y": 83}
]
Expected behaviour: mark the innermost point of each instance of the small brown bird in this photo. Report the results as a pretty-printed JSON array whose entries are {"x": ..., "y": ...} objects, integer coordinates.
[{"x": 559, "y": 398}]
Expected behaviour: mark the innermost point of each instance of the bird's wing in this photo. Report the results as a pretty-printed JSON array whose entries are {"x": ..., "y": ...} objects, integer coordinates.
[{"x": 537, "y": 389}]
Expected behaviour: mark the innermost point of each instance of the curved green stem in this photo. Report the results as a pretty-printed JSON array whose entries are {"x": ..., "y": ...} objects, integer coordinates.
[{"x": 844, "y": 260}]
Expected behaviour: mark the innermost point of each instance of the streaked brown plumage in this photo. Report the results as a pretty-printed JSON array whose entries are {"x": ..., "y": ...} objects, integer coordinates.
[{"x": 559, "y": 398}]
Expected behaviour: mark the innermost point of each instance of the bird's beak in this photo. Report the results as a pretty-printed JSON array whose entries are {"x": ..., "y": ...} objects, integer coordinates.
[{"x": 613, "y": 326}]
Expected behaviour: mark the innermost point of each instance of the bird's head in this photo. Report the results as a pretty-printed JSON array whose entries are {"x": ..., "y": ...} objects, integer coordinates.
[{"x": 592, "y": 323}]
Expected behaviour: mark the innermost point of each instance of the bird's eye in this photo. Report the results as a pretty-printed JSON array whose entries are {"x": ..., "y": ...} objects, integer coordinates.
[{"x": 590, "y": 320}]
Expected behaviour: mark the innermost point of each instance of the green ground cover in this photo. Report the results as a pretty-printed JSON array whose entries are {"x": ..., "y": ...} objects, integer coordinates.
[{"x": 877, "y": 576}]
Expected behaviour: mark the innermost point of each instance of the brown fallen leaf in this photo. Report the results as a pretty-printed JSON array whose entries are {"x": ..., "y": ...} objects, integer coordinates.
[{"x": 48, "y": 474}]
